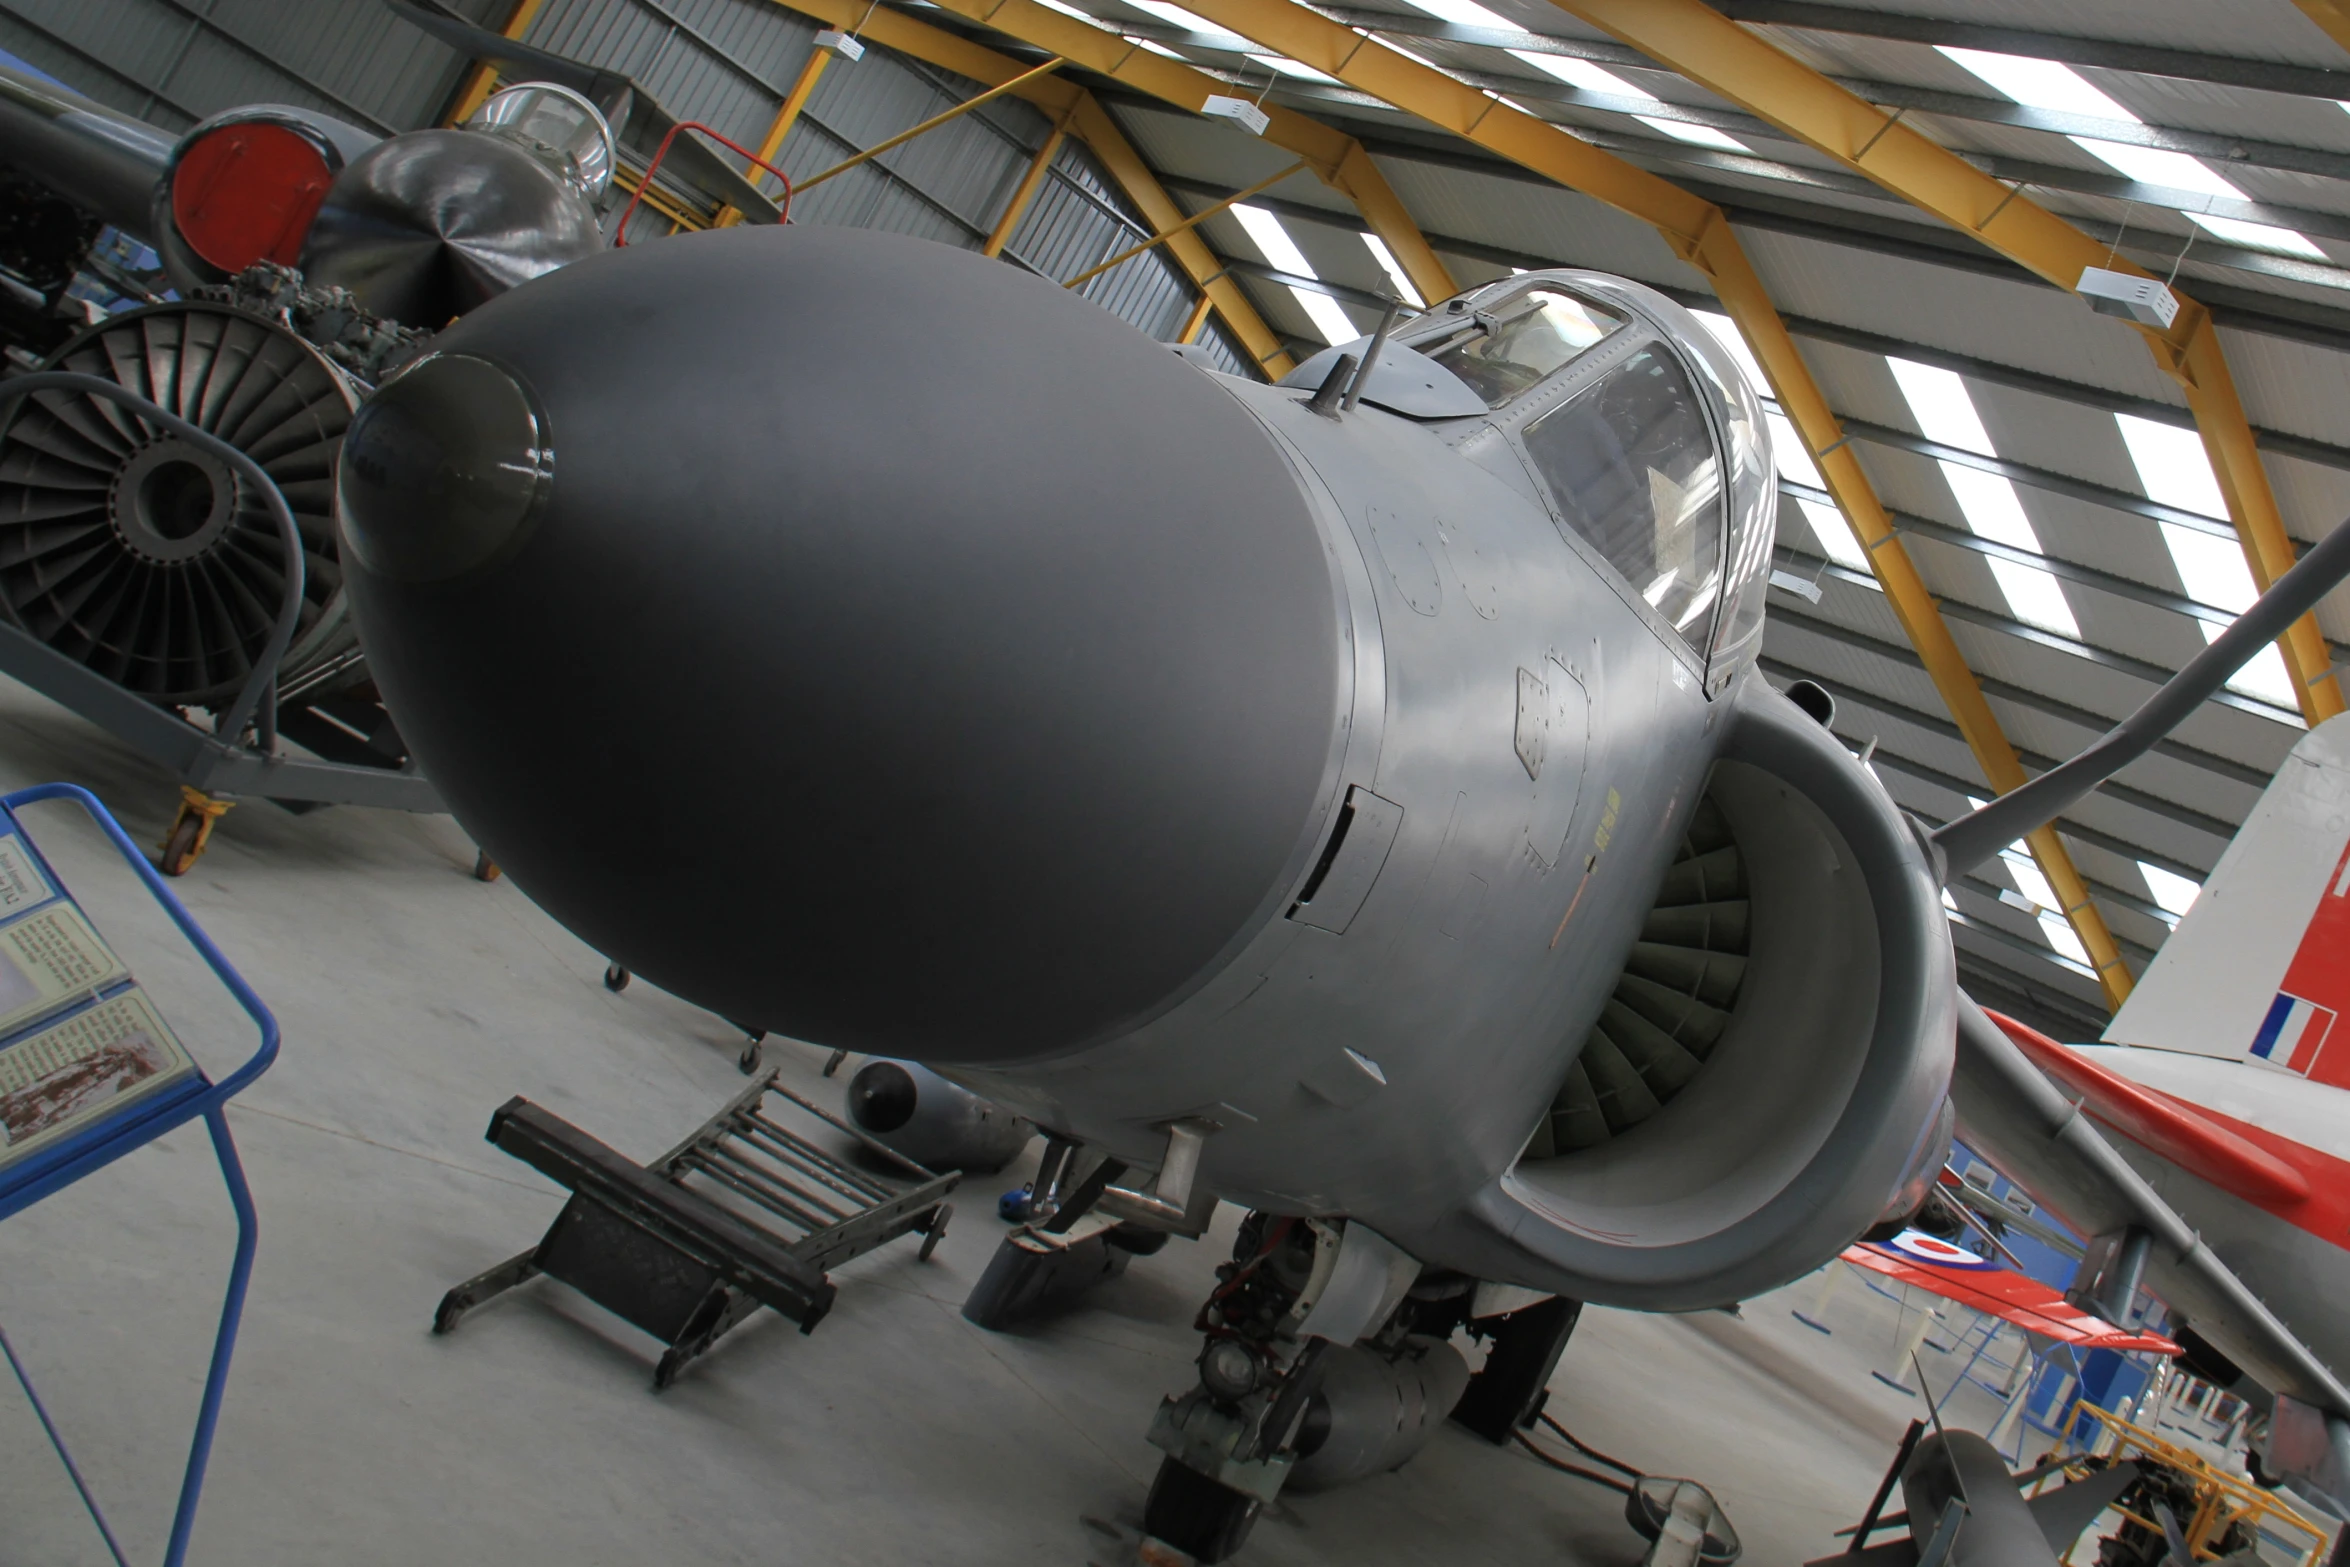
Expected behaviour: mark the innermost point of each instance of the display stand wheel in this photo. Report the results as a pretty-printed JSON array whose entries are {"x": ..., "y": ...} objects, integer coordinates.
[
  {"x": 1204, "y": 1518},
  {"x": 485, "y": 868},
  {"x": 615, "y": 978}
]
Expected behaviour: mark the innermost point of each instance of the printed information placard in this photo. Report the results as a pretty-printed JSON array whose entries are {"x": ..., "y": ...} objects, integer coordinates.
[
  {"x": 78, "y": 1041},
  {"x": 97, "y": 1061}
]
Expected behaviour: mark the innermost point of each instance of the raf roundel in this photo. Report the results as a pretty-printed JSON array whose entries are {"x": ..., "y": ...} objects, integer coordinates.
[{"x": 1939, "y": 1252}]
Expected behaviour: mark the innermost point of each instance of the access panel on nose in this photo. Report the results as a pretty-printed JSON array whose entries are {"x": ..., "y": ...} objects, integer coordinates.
[{"x": 1553, "y": 734}]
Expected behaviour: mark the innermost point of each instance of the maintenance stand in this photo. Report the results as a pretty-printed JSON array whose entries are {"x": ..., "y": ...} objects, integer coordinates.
[{"x": 747, "y": 1212}]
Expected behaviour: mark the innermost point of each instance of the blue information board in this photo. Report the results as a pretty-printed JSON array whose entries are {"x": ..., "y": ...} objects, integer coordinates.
[{"x": 90, "y": 1070}]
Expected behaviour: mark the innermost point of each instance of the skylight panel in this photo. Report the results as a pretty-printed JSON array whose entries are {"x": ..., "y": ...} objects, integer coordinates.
[
  {"x": 2172, "y": 893},
  {"x": 1396, "y": 275},
  {"x": 2060, "y": 934},
  {"x": 1580, "y": 73},
  {"x": 2024, "y": 871},
  {"x": 2044, "y": 84},
  {"x": 1297, "y": 68},
  {"x": 1835, "y": 535},
  {"x": 1939, "y": 402},
  {"x": 1594, "y": 78},
  {"x": 1087, "y": 17},
  {"x": 1279, "y": 250},
  {"x": 2172, "y": 469},
  {"x": 1787, "y": 451},
  {"x": 1192, "y": 21},
  {"x": 2258, "y": 236},
  {"x": 2055, "y": 929},
  {"x": 2048, "y": 84},
  {"x": 1466, "y": 13},
  {"x": 1696, "y": 135},
  {"x": 1156, "y": 47}
]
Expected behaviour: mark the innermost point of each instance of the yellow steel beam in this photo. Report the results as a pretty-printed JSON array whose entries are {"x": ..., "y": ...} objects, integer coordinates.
[
  {"x": 2330, "y": 15},
  {"x": 803, "y": 87},
  {"x": 1197, "y": 321},
  {"x": 1030, "y": 183},
  {"x": 1701, "y": 235},
  {"x": 1092, "y": 125},
  {"x": 1158, "y": 209},
  {"x": 934, "y": 122},
  {"x": 1191, "y": 222},
  {"x": 1707, "y": 47},
  {"x": 483, "y": 76},
  {"x": 1337, "y": 157}
]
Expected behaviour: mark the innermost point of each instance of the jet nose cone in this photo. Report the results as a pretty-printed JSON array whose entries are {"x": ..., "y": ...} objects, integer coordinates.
[
  {"x": 442, "y": 470},
  {"x": 894, "y": 650}
]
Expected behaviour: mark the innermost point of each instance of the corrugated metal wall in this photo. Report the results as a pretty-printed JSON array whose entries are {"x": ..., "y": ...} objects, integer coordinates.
[
  {"x": 727, "y": 63},
  {"x": 172, "y": 62}
]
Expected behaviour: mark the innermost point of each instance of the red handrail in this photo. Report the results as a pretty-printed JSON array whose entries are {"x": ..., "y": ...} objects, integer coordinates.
[{"x": 620, "y": 234}]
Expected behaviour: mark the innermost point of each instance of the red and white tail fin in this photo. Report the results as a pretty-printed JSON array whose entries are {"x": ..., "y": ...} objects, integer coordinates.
[{"x": 2259, "y": 969}]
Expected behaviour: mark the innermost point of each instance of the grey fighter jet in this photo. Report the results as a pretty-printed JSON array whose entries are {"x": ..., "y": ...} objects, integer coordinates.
[{"x": 1354, "y": 799}]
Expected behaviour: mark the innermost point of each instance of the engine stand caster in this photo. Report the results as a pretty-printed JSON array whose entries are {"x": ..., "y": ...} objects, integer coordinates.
[
  {"x": 748, "y": 1062},
  {"x": 485, "y": 868},
  {"x": 832, "y": 1062},
  {"x": 615, "y": 978},
  {"x": 191, "y": 831}
]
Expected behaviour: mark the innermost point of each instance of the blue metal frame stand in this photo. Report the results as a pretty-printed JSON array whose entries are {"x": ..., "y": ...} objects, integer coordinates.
[{"x": 95, "y": 1147}]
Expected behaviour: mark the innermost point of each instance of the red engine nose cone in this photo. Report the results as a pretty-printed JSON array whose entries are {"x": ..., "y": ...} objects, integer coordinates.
[{"x": 247, "y": 192}]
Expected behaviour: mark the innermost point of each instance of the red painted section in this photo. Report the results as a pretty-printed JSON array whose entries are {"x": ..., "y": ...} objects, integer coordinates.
[
  {"x": 2320, "y": 975},
  {"x": 246, "y": 193},
  {"x": 2028, "y": 1303},
  {"x": 2189, "y": 1138}
]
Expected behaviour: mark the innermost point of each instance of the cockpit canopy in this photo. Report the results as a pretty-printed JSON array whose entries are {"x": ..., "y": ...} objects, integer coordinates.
[{"x": 1637, "y": 425}]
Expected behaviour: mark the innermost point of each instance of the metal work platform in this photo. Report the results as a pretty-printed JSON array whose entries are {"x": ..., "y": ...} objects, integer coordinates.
[{"x": 747, "y": 1212}]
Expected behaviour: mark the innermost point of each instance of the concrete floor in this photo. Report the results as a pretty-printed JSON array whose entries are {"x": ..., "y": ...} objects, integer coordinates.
[{"x": 414, "y": 1001}]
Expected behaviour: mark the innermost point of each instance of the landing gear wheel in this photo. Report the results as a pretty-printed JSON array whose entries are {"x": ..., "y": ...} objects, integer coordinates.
[
  {"x": 1195, "y": 1514},
  {"x": 615, "y": 978}
]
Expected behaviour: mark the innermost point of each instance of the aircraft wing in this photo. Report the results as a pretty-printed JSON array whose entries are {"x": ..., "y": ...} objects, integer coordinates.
[
  {"x": 91, "y": 155},
  {"x": 1954, "y": 1273},
  {"x": 2038, "y": 1137}
]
